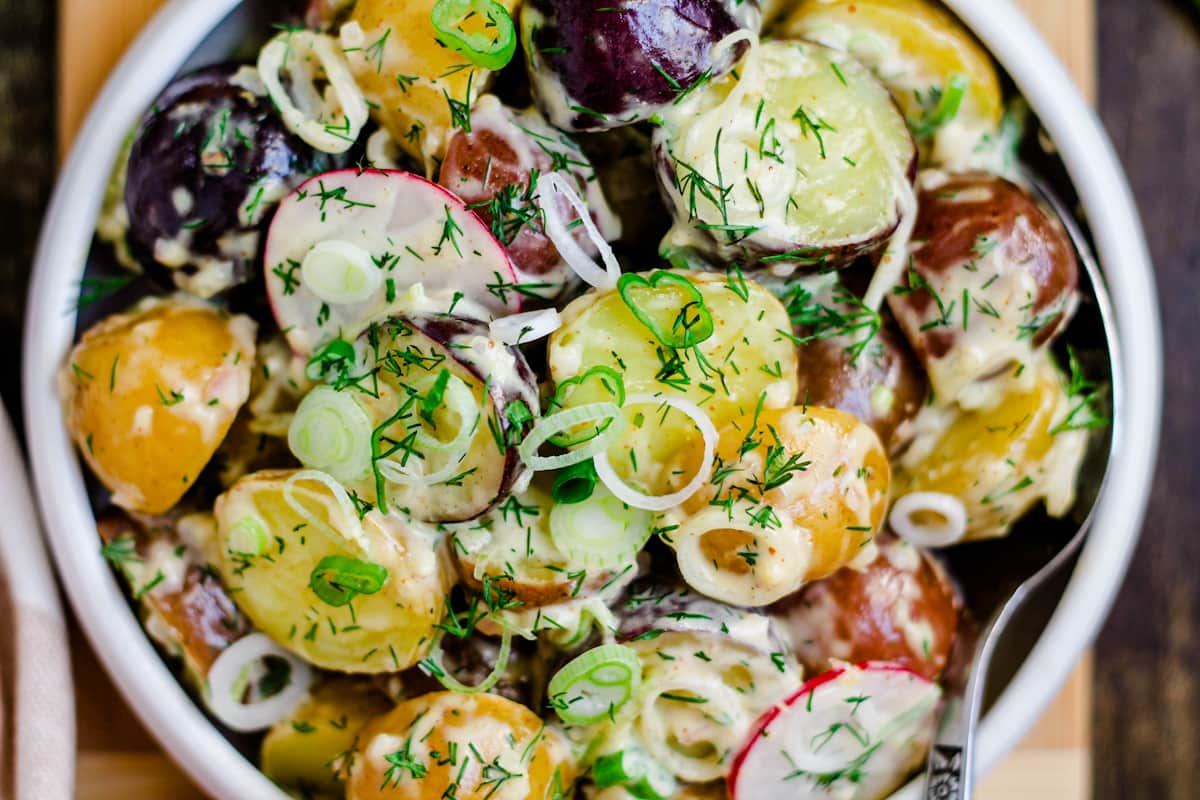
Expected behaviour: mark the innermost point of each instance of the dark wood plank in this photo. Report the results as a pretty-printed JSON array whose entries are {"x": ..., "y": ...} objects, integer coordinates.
[
  {"x": 27, "y": 160},
  {"x": 1147, "y": 693}
]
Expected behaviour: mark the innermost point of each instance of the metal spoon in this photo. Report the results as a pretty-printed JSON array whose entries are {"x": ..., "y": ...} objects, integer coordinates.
[{"x": 950, "y": 773}]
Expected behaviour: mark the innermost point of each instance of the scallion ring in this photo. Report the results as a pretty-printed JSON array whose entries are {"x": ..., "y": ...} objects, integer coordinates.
[
  {"x": 633, "y": 497},
  {"x": 227, "y": 678},
  {"x": 454, "y": 395},
  {"x": 433, "y": 665},
  {"x": 633, "y": 769},
  {"x": 547, "y": 427},
  {"x": 929, "y": 519},
  {"x": 612, "y": 382},
  {"x": 340, "y": 272},
  {"x": 331, "y": 432},
  {"x": 337, "y": 580},
  {"x": 595, "y": 685},
  {"x": 601, "y": 532},
  {"x": 676, "y": 326},
  {"x": 575, "y": 483},
  {"x": 249, "y": 536},
  {"x": 492, "y": 46}
]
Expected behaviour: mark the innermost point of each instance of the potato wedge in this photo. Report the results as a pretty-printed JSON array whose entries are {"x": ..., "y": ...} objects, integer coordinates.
[{"x": 151, "y": 393}]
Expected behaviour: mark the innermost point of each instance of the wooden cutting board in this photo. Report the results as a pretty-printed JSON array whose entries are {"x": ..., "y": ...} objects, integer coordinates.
[{"x": 118, "y": 760}]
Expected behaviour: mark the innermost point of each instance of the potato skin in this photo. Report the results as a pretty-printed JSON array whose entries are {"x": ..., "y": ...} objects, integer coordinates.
[
  {"x": 901, "y": 608},
  {"x": 496, "y": 729},
  {"x": 198, "y": 618},
  {"x": 150, "y": 395},
  {"x": 848, "y": 365},
  {"x": 981, "y": 241},
  {"x": 614, "y": 59}
]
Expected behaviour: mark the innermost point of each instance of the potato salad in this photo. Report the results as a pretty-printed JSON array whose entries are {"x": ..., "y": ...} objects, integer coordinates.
[{"x": 553, "y": 399}]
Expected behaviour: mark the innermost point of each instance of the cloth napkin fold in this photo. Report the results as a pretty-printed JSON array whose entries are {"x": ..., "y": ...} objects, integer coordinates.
[{"x": 37, "y": 703}]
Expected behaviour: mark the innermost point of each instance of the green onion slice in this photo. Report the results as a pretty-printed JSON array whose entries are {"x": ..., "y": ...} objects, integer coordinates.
[
  {"x": 337, "y": 580},
  {"x": 595, "y": 685},
  {"x": 601, "y": 532},
  {"x": 452, "y": 393},
  {"x": 575, "y": 483},
  {"x": 675, "y": 324},
  {"x": 609, "y": 380},
  {"x": 340, "y": 273},
  {"x": 482, "y": 30},
  {"x": 547, "y": 427},
  {"x": 330, "y": 432},
  {"x": 633, "y": 769},
  {"x": 249, "y": 536},
  {"x": 432, "y": 665}
]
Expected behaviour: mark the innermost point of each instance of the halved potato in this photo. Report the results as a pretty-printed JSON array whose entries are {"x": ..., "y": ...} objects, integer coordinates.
[
  {"x": 470, "y": 747},
  {"x": 405, "y": 358},
  {"x": 308, "y": 751},
  {"x": 748, "y": 359},
  {"x": 916, "y": 48},
  {"x": 347, "y": 594},
  {"x": 151, "y": 393},
  {"x": 797, "y": 494},
  {"x": 420, "y": 90},
  {"x": 798, "y": 160},
  {"x": 999, "y": 462}
]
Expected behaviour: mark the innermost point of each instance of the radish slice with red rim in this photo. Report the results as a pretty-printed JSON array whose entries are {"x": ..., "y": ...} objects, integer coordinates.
[
  {"x": 352, "y": 246},
  {"x": 853, "y": 733}
]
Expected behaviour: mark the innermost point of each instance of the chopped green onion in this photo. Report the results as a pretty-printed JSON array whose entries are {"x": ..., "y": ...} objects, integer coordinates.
[
  {"x": 633, "y": 769},
  {"x": 674, "y": 325},
  {"x": 491, "y": 47},
  {"x": 547, "y": 427},
  {"x": 432, "y": 665},
  {"x": 340, "y": 273},
  {"x": 455, "y": 395},
  {"x": 600, "y": 532},
  {"x": 249, "y": 536},
  {"x": 608, "y": 378},
  {"x": 948, "y": 101},
  {"x": 337, "y": 580},
  {"x": 595, "y": 685},
  {"x": 575, "y": 483},
  {"x": 330, "y": 432}
]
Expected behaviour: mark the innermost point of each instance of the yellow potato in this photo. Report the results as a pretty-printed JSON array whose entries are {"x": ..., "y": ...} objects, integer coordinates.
[
  {"x": 150, "y": 395},
  {"x": 307, "y": 752},
  {"x": 469, "y": 747},
  {"x": 286, "y": 545},
  {"x": 796, "y": 495},
  {"x": 748, "y": 358},
  {"x": 409, "y": 78},
  {"x": 1001, "y": 461},
  {"x": 912, "y": 45}
]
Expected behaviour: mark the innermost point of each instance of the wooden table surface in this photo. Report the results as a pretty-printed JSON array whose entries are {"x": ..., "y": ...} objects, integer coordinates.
[{"x": 1145, "y": 699}]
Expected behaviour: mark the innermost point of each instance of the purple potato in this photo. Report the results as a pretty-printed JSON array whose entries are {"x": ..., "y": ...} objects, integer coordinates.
[
  {"x": 595, "y": 66},
  {"x": 209, "y": 162},
  {"x": 406, "y": 355}
]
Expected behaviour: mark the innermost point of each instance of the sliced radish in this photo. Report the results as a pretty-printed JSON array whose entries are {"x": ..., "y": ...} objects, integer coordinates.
[
  {"x": 854, "y": 733},
  {"x": 350, "y": 246}
]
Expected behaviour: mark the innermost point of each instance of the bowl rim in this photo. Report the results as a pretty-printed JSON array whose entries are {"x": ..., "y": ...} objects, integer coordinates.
[{"x": 167, "y": 709}]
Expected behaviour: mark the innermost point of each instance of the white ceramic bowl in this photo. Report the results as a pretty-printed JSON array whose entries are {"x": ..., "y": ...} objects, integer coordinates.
[{"x": 185, "y": 28}]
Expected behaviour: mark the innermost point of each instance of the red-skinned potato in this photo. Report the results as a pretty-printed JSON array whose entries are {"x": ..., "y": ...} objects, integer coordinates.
[
  {"x": 851, "y": 362},
  {"x": 490, "y": 166},
  {"x": 900, "y": 608},
  {"x": 993, "y": 279},
  {"x": 151, "y": 393},
  {"x": 194, "y": 615}
]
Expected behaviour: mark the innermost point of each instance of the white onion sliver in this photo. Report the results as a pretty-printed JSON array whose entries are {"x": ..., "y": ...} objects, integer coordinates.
[
  {"x": 226, "y": 674},
  {"x": 558, "y": 423},
  {"x": 631, "y": 496},
  {"x": 353, "y": 530},
  {"x": 895, "y": 258},
  {"x": 527, "y": 327},
  {"x": 351, "y": 106},
  {"x": 946, "y": 506},
  {"x": 552, "y": 183}
]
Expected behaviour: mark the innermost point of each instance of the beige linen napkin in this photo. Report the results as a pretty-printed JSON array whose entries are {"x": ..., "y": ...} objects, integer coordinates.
[{"x": 37, "y": 705}]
